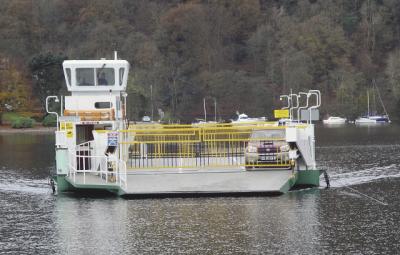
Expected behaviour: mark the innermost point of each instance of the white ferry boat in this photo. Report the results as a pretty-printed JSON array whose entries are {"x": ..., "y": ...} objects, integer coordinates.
[{"x": 96, "y": 149}]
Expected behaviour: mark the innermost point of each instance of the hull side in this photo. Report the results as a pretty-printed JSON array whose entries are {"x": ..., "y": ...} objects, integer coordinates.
[
  {"x": 308, "y": 178},
  {"x": 62, "y": 184},
  {"x": 217, "y": 183}
]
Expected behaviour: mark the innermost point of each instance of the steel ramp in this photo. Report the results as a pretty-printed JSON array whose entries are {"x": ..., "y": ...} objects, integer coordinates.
[{"x": 152, "y": 182}]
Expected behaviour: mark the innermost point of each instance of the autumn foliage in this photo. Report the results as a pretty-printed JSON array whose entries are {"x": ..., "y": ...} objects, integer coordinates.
[{"x": 241, "y": 54}]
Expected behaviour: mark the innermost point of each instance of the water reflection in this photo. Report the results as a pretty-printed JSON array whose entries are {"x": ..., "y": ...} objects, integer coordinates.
[
  {"x": 27, "y": 154},
  {"x": 191, "y": 225}
]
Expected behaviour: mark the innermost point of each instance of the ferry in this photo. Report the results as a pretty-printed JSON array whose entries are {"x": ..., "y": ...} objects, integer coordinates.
[{"x": 97, "y": 149}]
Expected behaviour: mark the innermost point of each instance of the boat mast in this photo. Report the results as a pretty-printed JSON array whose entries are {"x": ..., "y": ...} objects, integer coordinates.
[
  {"x": 368, "y": 101},
  {"x": 380, "y": 98},
  {"x": 205, "y": 110}
]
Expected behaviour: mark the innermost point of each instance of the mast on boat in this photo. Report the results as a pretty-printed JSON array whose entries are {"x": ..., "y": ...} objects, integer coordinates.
[
  {"x": 380, "y": 99},
  {"x": 368, "y": 102}
]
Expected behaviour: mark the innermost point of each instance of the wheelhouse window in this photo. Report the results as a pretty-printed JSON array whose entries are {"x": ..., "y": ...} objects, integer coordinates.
[
  {"x": 95, "y": 77},
  {"x": 85, "y": 76},
  {"x": 121, "y": 76},
  {"x": 102, "y": 105},
  {"x": 68, "y": 72},
  {"x": 105, "y": 76}
]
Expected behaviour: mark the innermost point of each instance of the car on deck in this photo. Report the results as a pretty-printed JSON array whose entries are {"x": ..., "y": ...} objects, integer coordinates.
[{"x": 267, "y": 149}]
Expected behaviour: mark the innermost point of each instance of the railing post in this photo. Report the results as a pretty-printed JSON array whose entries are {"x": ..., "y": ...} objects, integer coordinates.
[
  {"x": 106, "y": 170},
  {"x": 84, "y": 168}
]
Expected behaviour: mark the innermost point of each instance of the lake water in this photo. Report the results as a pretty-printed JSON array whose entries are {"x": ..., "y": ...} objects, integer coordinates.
[{"x": 339, "y": 220}]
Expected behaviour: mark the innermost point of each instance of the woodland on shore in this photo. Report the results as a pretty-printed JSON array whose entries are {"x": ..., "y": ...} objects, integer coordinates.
[{"x": 241, "y": 54}]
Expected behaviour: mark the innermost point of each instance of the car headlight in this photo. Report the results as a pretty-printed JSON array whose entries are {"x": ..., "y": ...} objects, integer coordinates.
[{"x": 251, "y": 149}]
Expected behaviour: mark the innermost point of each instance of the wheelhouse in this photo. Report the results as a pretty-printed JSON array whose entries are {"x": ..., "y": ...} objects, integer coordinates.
[{"x": 96, "y": 75}]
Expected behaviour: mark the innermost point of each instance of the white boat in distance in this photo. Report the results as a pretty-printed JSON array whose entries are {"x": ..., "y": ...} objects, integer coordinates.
[
  {"x": 243, "y": 118},
  {"x": 335, "y": 121},
  {"x": 375, "y": 119}
]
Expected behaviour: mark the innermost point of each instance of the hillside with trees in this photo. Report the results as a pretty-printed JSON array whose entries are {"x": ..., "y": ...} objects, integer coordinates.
[{"x": 240, "y": 53}]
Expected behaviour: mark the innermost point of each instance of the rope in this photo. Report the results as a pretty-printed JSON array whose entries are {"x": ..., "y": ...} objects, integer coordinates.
[
  {"x": 354, "y": 190},
  {"x": 374, "y": 199},
  {"x": 380, "y": 99}
]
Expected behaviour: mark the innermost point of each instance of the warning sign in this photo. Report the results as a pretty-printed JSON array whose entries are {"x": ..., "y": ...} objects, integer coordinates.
[
  {"x": 283, "y": 113},
  {"x": 69, "y": 127},
  {"x": 112, "y": 138},
  {"x": 70, "y": 134}
]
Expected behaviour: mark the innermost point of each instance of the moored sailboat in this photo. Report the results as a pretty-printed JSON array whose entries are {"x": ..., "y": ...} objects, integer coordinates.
[{"x": 373, "y": 119}]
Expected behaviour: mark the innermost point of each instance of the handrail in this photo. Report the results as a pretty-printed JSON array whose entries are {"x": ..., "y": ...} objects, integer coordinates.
[
  {"x": 288, "y": 101},
  {"x": 96, "y": 164},
  {"x": 302, "y": 107},
  {"x": 49, "y": 112},
  {"x": 293, "y": 107},
  {"x": 122, "y": 173},
  {"x": 318, "y": 94}
]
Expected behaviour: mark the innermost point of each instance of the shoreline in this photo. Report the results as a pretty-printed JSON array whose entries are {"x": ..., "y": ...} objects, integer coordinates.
[{"x": 7, "y": 129}]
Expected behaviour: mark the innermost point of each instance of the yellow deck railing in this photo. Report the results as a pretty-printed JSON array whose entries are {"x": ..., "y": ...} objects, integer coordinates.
[{"x": 156, "y": 146}]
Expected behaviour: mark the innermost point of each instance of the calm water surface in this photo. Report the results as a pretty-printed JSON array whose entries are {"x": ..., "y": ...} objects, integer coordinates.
[{"x": 314, "y": 221}]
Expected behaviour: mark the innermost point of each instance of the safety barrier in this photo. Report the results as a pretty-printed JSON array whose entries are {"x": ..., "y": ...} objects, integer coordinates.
[
  {"x": 94, "y": 169},
  {"x": 156, "y": 146}
]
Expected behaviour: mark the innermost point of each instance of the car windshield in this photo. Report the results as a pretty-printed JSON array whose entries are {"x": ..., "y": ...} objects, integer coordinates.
[{"x": 268, "y": 134}]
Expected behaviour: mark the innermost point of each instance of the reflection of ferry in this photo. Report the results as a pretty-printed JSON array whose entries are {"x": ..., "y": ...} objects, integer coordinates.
[{"x": 96, "y": 149}]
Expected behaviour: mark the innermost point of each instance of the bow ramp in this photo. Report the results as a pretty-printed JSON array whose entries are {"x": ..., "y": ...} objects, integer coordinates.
[{"x": 210, "y": 182}]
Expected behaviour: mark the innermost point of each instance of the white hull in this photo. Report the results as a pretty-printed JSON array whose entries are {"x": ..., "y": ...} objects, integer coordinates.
[
  {"x": 365, "y": 121},
  {"x": 334, "y": 121},
  {"x": 371, "y": 120}
]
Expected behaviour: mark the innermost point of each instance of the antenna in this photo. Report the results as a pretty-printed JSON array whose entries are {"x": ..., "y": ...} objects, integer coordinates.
[{"x": 115, "y": 55}]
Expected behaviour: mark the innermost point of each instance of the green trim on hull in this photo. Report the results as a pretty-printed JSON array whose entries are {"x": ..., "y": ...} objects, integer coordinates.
[
  {"x": 289, "y": 184},
  {"x": 299, "y": 179},
  {"x": 92, "y": 186},
  {"x": 62, "y": 184},
  {"x": 308, "y": 178},
  {"x": 106, "y": 187}
]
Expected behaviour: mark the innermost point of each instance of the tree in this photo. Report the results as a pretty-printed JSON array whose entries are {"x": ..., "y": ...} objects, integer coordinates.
[{"x": 47, "y": 75}]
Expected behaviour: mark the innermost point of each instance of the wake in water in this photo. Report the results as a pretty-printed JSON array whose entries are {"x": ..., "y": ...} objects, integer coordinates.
[
  {"x": 10, "y": 182},
  {"x": 364, "y": 176}
]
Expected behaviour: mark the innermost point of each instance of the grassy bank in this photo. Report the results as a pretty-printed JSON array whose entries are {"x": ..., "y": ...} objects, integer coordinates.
[{"x": 36, "y": 129}]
